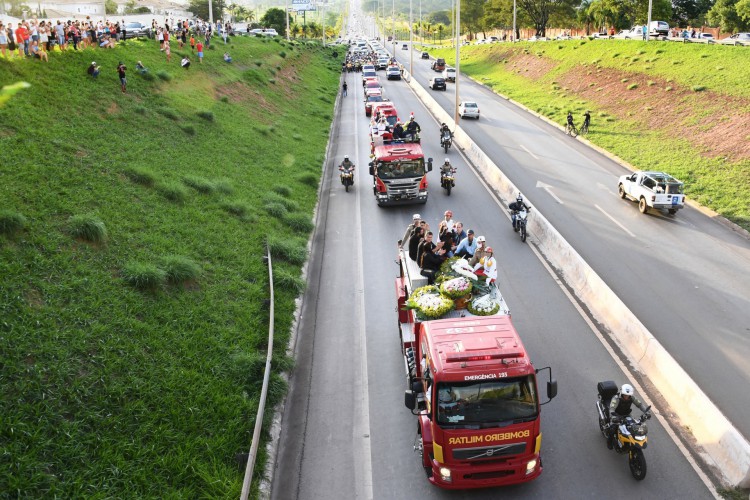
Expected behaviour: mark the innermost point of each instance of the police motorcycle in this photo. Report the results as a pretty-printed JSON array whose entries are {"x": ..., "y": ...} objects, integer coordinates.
[
  {"x": 519, "y": 213},
  {"x": 446, "y": 139},
  {"x": 347, "y": 173},
  {"x": 630, "y": 434},
  {"x": 447, "y": 177}
]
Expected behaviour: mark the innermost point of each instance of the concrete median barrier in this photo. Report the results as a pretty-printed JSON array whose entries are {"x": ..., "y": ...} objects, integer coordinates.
[{"x": 723, "y": 446}]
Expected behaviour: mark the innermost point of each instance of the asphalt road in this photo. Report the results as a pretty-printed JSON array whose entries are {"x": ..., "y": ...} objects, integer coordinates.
[
  {"x": 346, "y": 433},
  {"x": 686, "y": 277}
]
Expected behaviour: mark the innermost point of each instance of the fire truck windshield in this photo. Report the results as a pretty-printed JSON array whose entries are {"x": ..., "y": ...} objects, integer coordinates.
[
  {"x": 486, "y": 403},
  {"x": 401, "y": 169}
]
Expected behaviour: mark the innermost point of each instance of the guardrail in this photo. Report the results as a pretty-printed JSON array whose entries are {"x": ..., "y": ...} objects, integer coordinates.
[
  {"x": 724, "y": 445},
  {"x": 263, "y": 392}
]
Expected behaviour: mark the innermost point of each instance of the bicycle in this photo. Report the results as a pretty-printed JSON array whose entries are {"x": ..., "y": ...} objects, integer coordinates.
[
  {"x": 571, "y": 130},
  {"x": 584, "y": 128}
]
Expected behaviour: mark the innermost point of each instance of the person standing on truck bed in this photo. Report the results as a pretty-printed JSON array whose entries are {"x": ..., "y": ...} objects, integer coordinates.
[
  {"x": 414, "y": 240},
  {"x": 480, "y": 252},
  {"x": 426, "y": 245},
  {"x": 415, "y": 220}
]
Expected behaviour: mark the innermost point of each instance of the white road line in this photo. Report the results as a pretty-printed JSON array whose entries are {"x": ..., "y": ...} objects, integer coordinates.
[
  {"x": 532, "y": 154},
  {"x": 548, "y": 188},
  {"x": 664, "y": 423},
  {"x": 613, "y": 220},
  {"x": 361, "y": 430}
]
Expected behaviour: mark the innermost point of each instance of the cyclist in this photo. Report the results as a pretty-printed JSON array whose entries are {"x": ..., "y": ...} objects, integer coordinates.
[
  {"x": 516, "y": 207},
  {"x": 570, "y": 127},
  {"x": 586, "y": 122}
]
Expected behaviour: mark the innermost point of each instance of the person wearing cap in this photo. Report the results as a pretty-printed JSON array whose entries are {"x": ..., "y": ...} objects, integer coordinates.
[
  {"x": 467, "y": 246},
  {"x": 415, "y": 220},
  {"x": 487, "y": 266},
  {"x": 480, "y": 252},
  {"x": 93, "y": 69},
  {"x": 398, "y": 131},
  {"x": 121, "y": 73}
]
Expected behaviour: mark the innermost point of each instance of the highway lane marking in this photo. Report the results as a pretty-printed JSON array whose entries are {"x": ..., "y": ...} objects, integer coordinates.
[
  {"x": 548, "y": 188},
  {"x": 532, "y": 154},
  {"x": 362, "y": 407},
  {"x": 629, "y": 375},
  {"x": 613, "y": 220}
]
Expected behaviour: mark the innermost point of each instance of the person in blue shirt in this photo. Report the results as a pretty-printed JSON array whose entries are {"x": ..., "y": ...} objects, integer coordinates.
[{"x": 468, "y": 245}]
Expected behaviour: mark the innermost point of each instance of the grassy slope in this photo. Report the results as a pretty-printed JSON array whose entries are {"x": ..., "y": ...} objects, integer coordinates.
[
  {"x": 622, "y": 125},
  {"x": 107, "y": 390}
]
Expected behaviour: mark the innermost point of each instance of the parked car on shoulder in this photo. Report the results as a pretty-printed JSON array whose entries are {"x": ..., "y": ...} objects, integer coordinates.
[
  {"x": 706, "y": 36},
  {"x": 658, "y": 28},
  {"x": 437, "y": 83},
  {"x": 468, "y": 109},
  {"x": 622, "y": 34},
  {"x": 136, "y": 30},
  {"x": 737, "y": 39}
]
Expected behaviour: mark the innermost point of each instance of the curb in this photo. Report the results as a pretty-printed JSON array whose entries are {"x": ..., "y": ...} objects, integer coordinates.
[{"x": 721, "y": 441}]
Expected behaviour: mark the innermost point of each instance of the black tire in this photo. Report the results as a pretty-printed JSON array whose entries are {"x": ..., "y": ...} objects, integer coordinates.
[
  {"x": 448, "y": 188},
  {"x": 672, "y": 211},
  {"x": 445, "y": 146},
  {"x": 642, "y": 205},
  {"x": 603, "y": 427},
  {"x": 346, "y": 186},
  {"x": 637, "y": 463},
  {"x": 621, "y": 191},
  {"x": 523, "y": 233}
]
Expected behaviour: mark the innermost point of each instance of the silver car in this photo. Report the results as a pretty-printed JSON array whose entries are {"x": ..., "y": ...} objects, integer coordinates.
[
  {"x": 737, "y": 39},
  {"x": 468, "y": 109}
]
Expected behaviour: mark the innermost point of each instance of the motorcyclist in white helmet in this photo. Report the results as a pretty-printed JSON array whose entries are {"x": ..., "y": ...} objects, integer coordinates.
[
  {"x": 620, "y": 407},
  {"x": 445, "y": 168}
]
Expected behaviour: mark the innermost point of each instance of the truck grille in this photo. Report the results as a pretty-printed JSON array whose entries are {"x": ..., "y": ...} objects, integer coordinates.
[
  {"x": 406, "y": 188},
  {"x": 489, "y": 452}
]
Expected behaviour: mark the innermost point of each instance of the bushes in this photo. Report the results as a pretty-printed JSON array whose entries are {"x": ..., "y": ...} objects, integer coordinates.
[
  {"x": 11, "y": 222},
  {"x": 141, "y": 176},
  {"x": 88, "y": 228},
  {"x": 174, "y": 269}
]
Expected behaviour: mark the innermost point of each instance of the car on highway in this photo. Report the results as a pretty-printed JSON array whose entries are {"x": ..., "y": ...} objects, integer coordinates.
[
  {"x": 136, "y": 30},
  {"x": 382, "y": 63},
  {"x": 373, "y": 96},
  {"x": 425, "y": 55},
  {"x": 437, "y": 83},
  {"x": 368, "y": 67},
  {"x": 622, "y": 34},
  {"x": 658, "y": 28},
  {"x": 404, "y": 47},
  {"x": 372, "y": 83},
  {"x": 393, "y": 73},
  {"x": 737, "y": 39},
  {"x": 438, "y": 65},
  {"x": 706, "y": 36},
  {"x": 366, "y": 75},
  {"x": 449, "y": 74},
  {"x": 468, "y": 109}
]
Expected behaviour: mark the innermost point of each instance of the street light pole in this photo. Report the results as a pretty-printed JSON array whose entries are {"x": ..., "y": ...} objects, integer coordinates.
[
  {"x": 411, "y": 42},
  {"x": 648, "y": 26},
  {"x": 514, "y": 22},
  {"x": 393, "y": 26},
  {"x": 286, "y": 15},
  {"x": 458, "y": 54}
]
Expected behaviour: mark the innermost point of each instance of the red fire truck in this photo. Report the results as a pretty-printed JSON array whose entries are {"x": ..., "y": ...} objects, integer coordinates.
[
  {"x": 474, "y": 391},
  {"x": 399, "y": 172}
]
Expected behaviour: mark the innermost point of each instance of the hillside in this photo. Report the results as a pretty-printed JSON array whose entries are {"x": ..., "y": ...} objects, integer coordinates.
[
  {"x": 683, "y": 108},
  {"x": 132, "y": 230}
]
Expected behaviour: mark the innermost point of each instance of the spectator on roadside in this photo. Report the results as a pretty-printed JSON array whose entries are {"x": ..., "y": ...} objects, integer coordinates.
[
  {"x": 93, "y": 70},
  {"x": 185, "y": 63},
  {"x": 140, "y": 68},
  {"x": 227, "y": 57},
  {"x": 199, "y": 48},
  {"x": 3, "y": 40},
  {"x": 645, "y": 31},
  {"x": 121, "y": 73},
  {"x": 23, "y": 49},
  {"x": 39, "y": 52},
  {"x": 192, "y": 43},
  {"x": 60, "y": 35},
  {"x": 168, "y": 51}
]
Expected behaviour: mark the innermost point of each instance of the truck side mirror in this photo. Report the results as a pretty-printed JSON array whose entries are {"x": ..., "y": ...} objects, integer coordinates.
[
  {"x": 551, "y": 389},
  {"x": 429, "y": 164},
  {"x": 372, "y": 170},
  {"x": 410, "y": 400},
  {"x": 416, "y": 386}
]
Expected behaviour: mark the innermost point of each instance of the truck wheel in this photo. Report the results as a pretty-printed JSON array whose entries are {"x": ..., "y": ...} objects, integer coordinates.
[
  {"x": 621, "y": 190},
  {"x": 672, "y": 211},
  {"x": 642, "y": 205}
]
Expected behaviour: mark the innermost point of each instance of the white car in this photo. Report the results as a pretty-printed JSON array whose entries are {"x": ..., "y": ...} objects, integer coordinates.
[
  {"x": 737, "y": 39},
  {"x": 468, "y": 109},
  {"x": 622, "y": 34},
  {"x": 449, "y": 74}
]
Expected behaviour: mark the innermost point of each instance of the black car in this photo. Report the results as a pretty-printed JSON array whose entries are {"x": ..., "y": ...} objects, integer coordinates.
[
  {"x": 438, "y": 83},
  {"x": 425, "y": 55}
]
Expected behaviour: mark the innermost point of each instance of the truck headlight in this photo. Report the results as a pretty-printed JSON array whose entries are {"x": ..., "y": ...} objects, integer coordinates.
[
  {"x": 530, "y": 466},
  {"x": 445, "y": 474}
]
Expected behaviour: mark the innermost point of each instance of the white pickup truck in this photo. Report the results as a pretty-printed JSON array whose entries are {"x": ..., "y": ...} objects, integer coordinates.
[{"x": 652, "y": 190}]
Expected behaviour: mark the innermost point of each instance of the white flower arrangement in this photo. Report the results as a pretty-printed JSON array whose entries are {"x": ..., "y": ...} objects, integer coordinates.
[
  {"x": 428, "y": 301},
  {"x": 462, "y": 267},
  {"x": 486, "y": 305}
]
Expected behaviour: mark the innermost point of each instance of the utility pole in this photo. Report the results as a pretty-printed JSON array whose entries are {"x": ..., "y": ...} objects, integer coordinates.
[
  {"x": 286, "y": 16},
  {"x": 458, "y": 53},
  {"x": 648, "y": 26},
  {"x": 514, "y": 22},
  {"x": 393, "y": 26},
  {"x": 210, "y": 12},
  {"x": 411, "y": 42}
]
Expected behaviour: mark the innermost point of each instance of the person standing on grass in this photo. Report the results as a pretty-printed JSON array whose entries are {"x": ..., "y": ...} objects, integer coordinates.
[
  {"x": 3, "y": 40},
  {"x": 645, "y": 31},
  {"x": 93, "y": 70},
  {"x": 192, "y": 44},
  {"x": 167, "y": 51},
  {"x": 199, "y": 48},
  {"x": 121, "y": 72}
]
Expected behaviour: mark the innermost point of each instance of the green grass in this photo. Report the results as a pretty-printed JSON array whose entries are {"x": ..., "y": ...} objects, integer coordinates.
[
  {"x": 714, "y": 180},
  {"x": 119, "y": 376},
  {"x": 87, "y": 227}
]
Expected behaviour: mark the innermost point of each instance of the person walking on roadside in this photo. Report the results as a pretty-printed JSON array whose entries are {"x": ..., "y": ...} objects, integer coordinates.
[
  {"x": 344, "y": 88},
  {"x": 121, "y": 72},
  {"x": 199, "y": 48}
]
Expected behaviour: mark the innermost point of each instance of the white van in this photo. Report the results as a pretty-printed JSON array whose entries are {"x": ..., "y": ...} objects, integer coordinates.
[{"x": 658, "y": 28}]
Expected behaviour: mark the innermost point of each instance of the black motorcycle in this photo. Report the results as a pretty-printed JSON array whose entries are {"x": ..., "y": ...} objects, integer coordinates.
[
  {"x": 519, "y": 218},
  {"x": 446, "y": 141},
  {"x": 627, "y": 434},
  {"x": 347, "y": 176},
  {"x": 448, "y": 180}
]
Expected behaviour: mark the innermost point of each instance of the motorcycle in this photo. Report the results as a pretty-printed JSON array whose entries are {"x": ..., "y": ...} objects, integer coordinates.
[
  {"x": 448, "y": 180},
  {"x": 446, "y": 141},
  {"x": 347, "y": 176},
  {"x": 629, "y": 435},
  {"x": 518, "y": 218}
]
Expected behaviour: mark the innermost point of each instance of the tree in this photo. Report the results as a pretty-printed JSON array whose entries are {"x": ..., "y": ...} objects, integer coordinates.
[
  {"x": 690, "y": 12},
  {"x": 110, "y": 7},
  {"x": 441, "y": 16},
  {"x": 200, "y": 8},
  {"x": 472, "y": 16},
  {"x": 274, "y": 18},
  {"x": 540, "y": 12},
  {"x": 725, "y": 15}
]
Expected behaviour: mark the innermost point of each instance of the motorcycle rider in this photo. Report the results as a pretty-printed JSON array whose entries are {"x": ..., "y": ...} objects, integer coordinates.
[
  {"x": 346, "y": 167},
  {"x": 445, "y": 130},
  {"x": 620, "y": 407},
  {"x": 516, "y": 207},
  {"x": 446, "y": 168}
]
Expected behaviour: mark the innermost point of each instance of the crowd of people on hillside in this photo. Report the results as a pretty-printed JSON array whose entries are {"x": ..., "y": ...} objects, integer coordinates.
[
  {"x": 429, "y": 250},
  {"x": 37, "y": 39}
]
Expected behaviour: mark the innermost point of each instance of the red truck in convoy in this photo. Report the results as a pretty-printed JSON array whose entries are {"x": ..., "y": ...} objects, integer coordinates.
[
  {"x": 474, "y": 391},
  {"x": 399, "y": 172}
]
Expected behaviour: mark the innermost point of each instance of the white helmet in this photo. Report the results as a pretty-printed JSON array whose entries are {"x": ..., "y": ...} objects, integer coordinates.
[
  {"x": 626, "y": 390},
  {"x": 346, "y": 157},
  {"x": 447, "y": 160}
]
